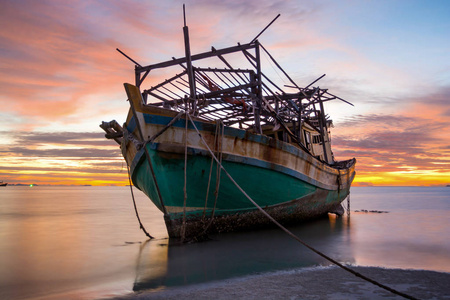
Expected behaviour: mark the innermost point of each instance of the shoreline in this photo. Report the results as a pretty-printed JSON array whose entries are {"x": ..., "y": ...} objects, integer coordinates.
[{"x": 329, "y": 282}]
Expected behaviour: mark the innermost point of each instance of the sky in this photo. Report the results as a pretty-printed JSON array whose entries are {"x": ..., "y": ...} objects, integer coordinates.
[{"x": 60, "y": 76}]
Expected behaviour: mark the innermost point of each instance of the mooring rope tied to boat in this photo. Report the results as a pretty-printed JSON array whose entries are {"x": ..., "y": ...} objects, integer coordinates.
[
  {"x": 178, "y": 116},
  {"x": 218, "y": 140},
  {"x": 288, "y": 231},
  {"x": 141, "y": 226},
  {"x": 216, "y": 133},
  {"x": 348, "y": 204}
]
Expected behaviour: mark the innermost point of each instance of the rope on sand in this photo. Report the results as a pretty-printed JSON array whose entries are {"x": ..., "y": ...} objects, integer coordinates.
[{"x": 290, "y": 233}]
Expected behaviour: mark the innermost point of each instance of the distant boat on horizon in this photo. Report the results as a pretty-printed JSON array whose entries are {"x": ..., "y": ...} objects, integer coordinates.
[{"x": 3, "y": 183}]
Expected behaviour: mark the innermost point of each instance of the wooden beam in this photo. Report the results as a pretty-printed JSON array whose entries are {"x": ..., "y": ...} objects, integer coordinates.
[{"x": 203, "y": 55}]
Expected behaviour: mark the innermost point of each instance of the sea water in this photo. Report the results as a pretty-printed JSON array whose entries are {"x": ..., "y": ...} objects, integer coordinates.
[{"x": 85, "y": 242}]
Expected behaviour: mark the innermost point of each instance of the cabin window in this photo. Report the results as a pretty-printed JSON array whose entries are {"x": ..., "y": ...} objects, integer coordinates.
[
  {"x": 317, "y": 139},
  {"x": 307, "y": 138}
]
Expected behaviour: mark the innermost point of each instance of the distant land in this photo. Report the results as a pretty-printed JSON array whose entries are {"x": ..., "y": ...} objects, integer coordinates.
[
  {"x": 34, "y": 184},
  {"x": 40, "y": 184},
  {"x": 362, "y": 185}
]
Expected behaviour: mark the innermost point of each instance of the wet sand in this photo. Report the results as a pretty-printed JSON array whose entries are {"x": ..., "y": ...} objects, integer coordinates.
[{"x": 315, "y": 283}]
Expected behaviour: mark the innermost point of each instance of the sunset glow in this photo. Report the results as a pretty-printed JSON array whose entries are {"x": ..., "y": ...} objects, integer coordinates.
[{"x": 60, "y": 76}]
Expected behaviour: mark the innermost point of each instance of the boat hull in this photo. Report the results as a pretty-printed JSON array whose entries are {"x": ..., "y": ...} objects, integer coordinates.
[
  {"x": 291, "y": 185},
  {"x": 296, "y": 211}
]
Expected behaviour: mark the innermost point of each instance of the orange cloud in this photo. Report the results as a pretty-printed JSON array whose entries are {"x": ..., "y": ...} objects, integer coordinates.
[{"x": 411, "y": 147}]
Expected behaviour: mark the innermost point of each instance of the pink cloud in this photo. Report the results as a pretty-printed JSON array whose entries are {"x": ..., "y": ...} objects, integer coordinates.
[{"x": 56, "y": 56}]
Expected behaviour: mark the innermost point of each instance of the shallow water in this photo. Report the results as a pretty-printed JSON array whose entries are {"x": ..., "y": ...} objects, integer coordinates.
[{"x": 85, "y": 242}]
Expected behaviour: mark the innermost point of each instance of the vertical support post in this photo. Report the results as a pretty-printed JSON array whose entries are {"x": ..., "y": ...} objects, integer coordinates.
[
  {"x": 277, "y": 105},
  {"x": 137, "y": 76},
  {"x": 322, "y": 124},
  {"x": 190, "y": 71},
  {"x": 259, "y": 89},
  {"x": 300, "y": 136}
]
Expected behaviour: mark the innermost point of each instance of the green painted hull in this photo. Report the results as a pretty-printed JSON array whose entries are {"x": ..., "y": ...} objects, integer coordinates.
[{"x": 285, "y": 197}]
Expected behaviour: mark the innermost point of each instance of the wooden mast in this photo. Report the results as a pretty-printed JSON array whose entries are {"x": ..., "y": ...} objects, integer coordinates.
[{"x": 190, "y": 71}]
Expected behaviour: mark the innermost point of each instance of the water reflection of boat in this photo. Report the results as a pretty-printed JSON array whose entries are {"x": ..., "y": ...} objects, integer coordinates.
[
  {"x": 3, "y": 183},
  {"x": 164, "y": 263},
  {"x": 151, "y": 265}
]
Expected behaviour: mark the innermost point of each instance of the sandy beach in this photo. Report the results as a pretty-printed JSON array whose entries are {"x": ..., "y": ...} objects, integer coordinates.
[{"x": 315, "y": 283}]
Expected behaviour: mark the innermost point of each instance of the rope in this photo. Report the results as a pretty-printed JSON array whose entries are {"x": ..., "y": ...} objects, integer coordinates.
[
  {"x": 219, "y": 127},
  {"x": 141, "y": 226},
  {"x": 165, "y": 128},
  {"x": 290, "y": 233},
  {"x": 218, "y": 170},
  {"x": 348, "y": 204},
  {"x": 210, "y": 174}
]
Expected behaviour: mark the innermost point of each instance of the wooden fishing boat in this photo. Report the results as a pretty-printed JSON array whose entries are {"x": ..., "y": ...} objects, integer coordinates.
[
  {"x": 204, "y": 141},
  {"x": 3, "y": 183}
]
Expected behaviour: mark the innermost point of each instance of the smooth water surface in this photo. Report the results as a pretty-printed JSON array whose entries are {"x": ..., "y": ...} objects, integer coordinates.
[{"x": 85, "y": 242}]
